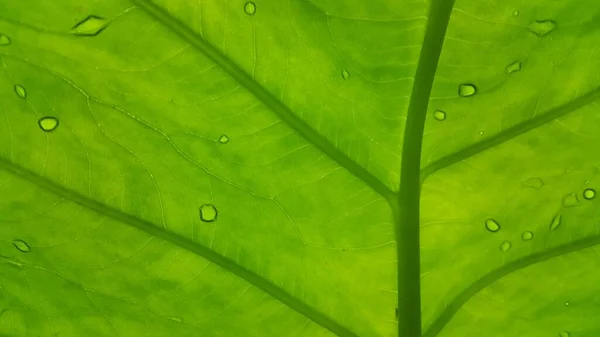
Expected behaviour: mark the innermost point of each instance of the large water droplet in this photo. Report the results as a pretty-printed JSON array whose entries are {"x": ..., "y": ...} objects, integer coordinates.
[
  {"x": 542, "y": 27},
  {"x": 20, "y": 91},
  {"x": 570, "y": 200},
  {"x": 224, "y": 139},
  {"x": 589, "y": 194},
  {"x": 48, "y": 123},
  {"x": 208, "y": 213},
  {"x": 526, "y": 236},
  {"x": 556, "y": 221},
  {"x": 513, "y": 67},
  {"x": 439, "y": 115},
  {"x": 492, "y": 225},
  {"x": 466, "y": 90},
  {"x": 90, "y": 26},
  {"x": 250, "y": 8},
  {"x": 534, "y": 182},
  {"x": 564, "y": 334},
  {"x": 505, "y": 246},
  {"x": 4, "y": 40},
  {"x": 345, "y": 74},
  {"x": 22, "y": 246}
]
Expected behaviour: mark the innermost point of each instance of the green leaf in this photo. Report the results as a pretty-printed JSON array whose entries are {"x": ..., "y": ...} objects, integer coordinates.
[{"x": 299, "y": 168}]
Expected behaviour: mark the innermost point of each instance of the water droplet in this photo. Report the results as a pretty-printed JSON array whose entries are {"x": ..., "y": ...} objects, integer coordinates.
[
  {"x": 90, "y": 26},
  {"x": 492, "y": 225},
  {"x": 564, "y": 334},
  {"x": 224, "y": 139},
  {"x": 589, "y": 194},
  {"x": 48, "y": 123},
  {"x": 513, "y": 67},
  {"x": 534, "y": 182},
  {"x": 567, "y": 303},
  {"x": 526, "y": 236},
  {"x": 4, "y": 40},
  {"x": 177, "y": 319},
  {"x": 542, "y": 28},
  {"x": 556, "y": 221},
  {"x": 345, "y": 74},
  {"x": 516, "y": 13},
  {"x": 22, "y": 246},
  {"x": 250, "y": 8},
  {"x": 505, "y": 246},
  {"x": 20, "y": 91},
  {"x": 439, "y": 115},
  {"x": 208, "y": 213},
  {"x": 570, "y": 200},
  {"x": 481, "y": 133},
  {"x": 466, "y": 90}
]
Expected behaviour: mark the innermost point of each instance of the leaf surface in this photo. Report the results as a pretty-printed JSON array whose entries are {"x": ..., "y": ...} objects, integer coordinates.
[{"x": 230, "y": 168}]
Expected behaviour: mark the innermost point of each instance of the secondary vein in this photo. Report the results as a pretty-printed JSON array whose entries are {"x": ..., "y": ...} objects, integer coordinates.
[
  {"x": 265, "y": 96},
  {"x": 227, "y": 264},
  {"x": 510, "y": 133},
  {"x": 406, "y": 207}
]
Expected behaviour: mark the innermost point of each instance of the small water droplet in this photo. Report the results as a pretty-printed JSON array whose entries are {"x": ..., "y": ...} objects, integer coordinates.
[
  {"x": 48, "y": 123},
  {"x": 505, "y": 246},
  {"x": 526, "y": 236},
  {"x": 20, "y": 91},
  {"x": 556, "y": 221},
  {"x": 564, "y": 334},
  {"x": 513, "y": 67},
  {"x": 345, "y": 74},
  {"x": 516, "y": 13},
  {"x": 4, "y": 40},
  {"x": 466, "y": 90},
  {"x": 481, "y": 133},
  {"x": 542, "y": 28},
  {"x": 224, "y": 139},
  {"x": 589, "y": 194},
  {"x": 567, "y": 303},
  {"x": 492, "y": 225},
  {"x": 90, "y": 26},
  {"x": 176, "y": 319},
  {"x": 22, "y": 246},
  {"x": 250, "y": 8},
  {"x": 208, "y": 213},
  {"x": 570, "y": 200},
  {"x": 439, "y": 115},
  {"x": 534, "y": 182}
]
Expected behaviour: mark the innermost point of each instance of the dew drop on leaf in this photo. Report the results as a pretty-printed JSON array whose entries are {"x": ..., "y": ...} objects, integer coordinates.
[
  {"x": 177, "y": 319},
  {"x": 542, "y": 28},
  {"x": 570, "y": 200},
  {"x": 345, "y": 74},
  {"x": 589, "y": 194},
  {"x": 564, "y": 334},
  {"x": 208, "y": 213},
  {"x": 555, "y": 222},
  {"x": 466, "y": 90},
  {"x": 4, "y": 40},
  {"x": 90, "y": 26},
  {"x": 567, "y": 303},
  {"x": 515, "y": 13},
  {"x": 513, "y": 67},
  {"x": 439, "y": 115},
  {"x": 534, "y": 182},
  {"x": 505, "y": 246},
  {"x": 224, "y": 139},
  {"x": 492, "y": 225},
  {"x": 250, "y": 8},
  {"x": 22, "y": 246},
  {"x": 20, "y": 91},
  {"x": 48, "y": 123},
  {"x": 526, "y": 236}
]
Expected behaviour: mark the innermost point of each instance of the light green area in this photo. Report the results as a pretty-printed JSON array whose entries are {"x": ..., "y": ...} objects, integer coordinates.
[{"x": 132, "y": 218}]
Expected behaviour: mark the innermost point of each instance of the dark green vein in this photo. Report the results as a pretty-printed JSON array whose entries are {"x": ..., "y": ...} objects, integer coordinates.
[
  {"x": 406, "y": 208},
  {"x": 218, "y": 259},
  {"x": 510, "y": 133},
  {"x": 262, "y": 94},
  {"x": 499, "y": 273}
]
